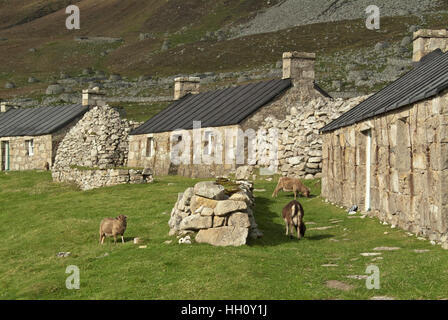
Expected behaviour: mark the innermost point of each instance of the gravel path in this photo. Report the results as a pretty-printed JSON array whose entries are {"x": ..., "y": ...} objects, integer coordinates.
[{"x": 301, "y": 12}]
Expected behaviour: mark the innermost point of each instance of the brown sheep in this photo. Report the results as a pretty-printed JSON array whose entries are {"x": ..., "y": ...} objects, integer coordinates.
[
  {"x": 293, "y": 216},
  {"x": 113, "y": 227},
  {"x": 291, "y": 184}
]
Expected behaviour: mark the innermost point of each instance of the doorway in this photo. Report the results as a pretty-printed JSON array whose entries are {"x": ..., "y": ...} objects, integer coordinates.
[
  {"x": 5, "y": 163},
  {"x": 368, "y": 135}
]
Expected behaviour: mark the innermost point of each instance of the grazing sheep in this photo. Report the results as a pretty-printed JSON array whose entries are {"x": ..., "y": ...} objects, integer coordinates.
[
  {"x": 113, "y": 227},
  {"x": 291, "y": 184},
  {"x": 293, "y": 216}
]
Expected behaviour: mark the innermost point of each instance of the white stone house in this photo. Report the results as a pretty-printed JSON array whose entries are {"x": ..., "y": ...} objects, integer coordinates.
[
  {"x": 389, "y": 154},
  {"x": 237, "y": 108},
  {"x": 29, "y": 137}
]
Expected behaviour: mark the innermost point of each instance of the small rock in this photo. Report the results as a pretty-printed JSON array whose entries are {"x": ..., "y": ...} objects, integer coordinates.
[
  {"x": 10, "y": 85},
  {"x": 63, "y": 254},
  {"x": 369, "y": 254},
  {"x": 335, "y": 284},
  {"x": 143, "y": 247},
  {"x": 329, "y": 265}
]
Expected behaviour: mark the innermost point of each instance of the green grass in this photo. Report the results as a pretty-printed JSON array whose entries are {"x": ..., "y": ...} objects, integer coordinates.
[
  {"x": 141, "y": 112},
  {"x": 41, "y": 218}
]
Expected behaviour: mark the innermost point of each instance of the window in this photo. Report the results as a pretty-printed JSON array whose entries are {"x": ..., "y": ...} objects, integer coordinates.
[
  {"x": 150, "y": 147},
  {"x": 30, "y": 147},
  {"x": 208, "y": 142}
]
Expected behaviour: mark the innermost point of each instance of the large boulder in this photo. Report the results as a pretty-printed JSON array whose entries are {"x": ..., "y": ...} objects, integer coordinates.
[{"x": 223, "y": 236}]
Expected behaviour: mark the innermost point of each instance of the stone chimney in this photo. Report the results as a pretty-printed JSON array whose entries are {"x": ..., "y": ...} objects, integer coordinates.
[
  {"x": 299, "y": 66},
  {"x": 426, "y": 41},
  {"x": 5, "y": 107},
  {"x": 93, "y": 97},
  {"x": 186, "y": 85}
]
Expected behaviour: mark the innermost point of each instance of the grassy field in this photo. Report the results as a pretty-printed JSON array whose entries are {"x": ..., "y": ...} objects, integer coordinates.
[{"x": 40, "y": 219}]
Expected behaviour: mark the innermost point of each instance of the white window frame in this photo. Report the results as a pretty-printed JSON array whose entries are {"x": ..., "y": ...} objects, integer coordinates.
[
  {"x": 30, "y": 147},
  {"x": 150, "y": 141},
  {"x": 208, "y": 138}
]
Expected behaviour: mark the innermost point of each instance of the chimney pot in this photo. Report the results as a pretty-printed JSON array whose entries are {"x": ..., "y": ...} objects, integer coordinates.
[{"x": 186, "y": 85}]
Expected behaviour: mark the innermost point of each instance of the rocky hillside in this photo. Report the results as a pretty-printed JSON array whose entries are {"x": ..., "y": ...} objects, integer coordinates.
[{"x": 134, "y": 49}]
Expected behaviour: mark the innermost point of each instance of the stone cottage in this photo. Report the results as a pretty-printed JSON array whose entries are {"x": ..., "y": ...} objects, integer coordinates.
[
  {"x": 225, "y": 112},
  {"x": 30, "y": 137},
  {"x": 389, "y": 154}
]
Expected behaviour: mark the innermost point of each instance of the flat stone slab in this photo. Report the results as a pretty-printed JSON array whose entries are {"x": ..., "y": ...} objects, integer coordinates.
[
  {"x": 370, "y": 254},
  {"x": 382, "y": 298},
  {"x": 223, "y": 236},
  {"x": 321, "y": 228},
  {"x": 336, "y": 284},
  {"x": 386, "y": 248}
]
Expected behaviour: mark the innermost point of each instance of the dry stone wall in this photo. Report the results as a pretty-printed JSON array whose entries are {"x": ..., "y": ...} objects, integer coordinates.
[
  {"x": 94, "y": 152},
  {"x": 100, "y": 139},
  {"x": 299, "y": 143},
  {"x": 219, "y": 218}
]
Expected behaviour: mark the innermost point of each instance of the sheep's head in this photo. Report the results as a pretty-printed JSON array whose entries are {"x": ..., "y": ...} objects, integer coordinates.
[{"x": 122, "y": 217}]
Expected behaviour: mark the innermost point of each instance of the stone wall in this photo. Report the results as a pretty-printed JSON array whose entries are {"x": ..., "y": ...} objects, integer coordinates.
[
  {"x": 299, "y": 143},
  {"x": 408, "y": 172},
  {"x": 88, "y": 179},
  {"x": 94, "y": 152},
  {"x": 99, "y": 139},
  {"x": 220, "y": 216}
]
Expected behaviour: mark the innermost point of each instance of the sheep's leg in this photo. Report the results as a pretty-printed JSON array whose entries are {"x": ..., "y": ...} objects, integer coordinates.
[
  {"x": 298, "y": 227},
  {"x": 115, "y": 238},
  {"x": 291, "y": 230},
  {"x": 122, "y": 239},
  {"x": 286, "y": 224}
]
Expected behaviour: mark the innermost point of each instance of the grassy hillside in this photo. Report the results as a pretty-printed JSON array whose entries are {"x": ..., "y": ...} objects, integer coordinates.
[
  {"x": 185, "y": 24},
  {"x": 42, "y": 219}
]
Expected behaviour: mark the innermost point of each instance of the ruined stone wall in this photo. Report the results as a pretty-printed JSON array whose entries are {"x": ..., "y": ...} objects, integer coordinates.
[
  {"x": 93, "y": 153},
  {"x": 19, "y": 159},
  {"x": 299, "y": 143},
  {"x": 99, "y": 139},
  {"x": 160, "y": 161},
  {"x": 409, "y": 167},
  {"x": 88, "y": 179},
  {"x": 281, "y": 107}
]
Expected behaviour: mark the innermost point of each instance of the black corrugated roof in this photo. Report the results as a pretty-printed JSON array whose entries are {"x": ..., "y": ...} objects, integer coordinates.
[
  {"x": 215, "y": 108},
  {"x": 425, "y": 80},
  {"x": 38, "y": 121}
]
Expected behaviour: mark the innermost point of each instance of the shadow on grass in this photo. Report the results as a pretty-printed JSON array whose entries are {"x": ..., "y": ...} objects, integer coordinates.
[{"x": 274, "y": 231}]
